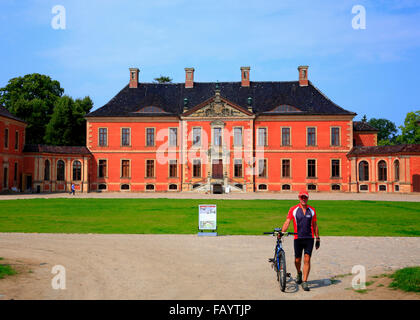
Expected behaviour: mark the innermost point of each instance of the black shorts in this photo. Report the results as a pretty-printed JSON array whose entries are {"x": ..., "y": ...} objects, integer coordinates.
[{"x": 303, "y": 244}]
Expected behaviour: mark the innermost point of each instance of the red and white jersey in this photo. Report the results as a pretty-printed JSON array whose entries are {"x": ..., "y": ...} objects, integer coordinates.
[{"x": 302, "y": 221}]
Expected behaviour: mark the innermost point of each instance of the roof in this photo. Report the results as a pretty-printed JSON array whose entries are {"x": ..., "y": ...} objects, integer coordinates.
[
  {"x": 5, "y": 113},
  {"x": 266, "y": 96},
  {"x": 39, "y": 148},
  {"x": 385, "y": 150},
  {"x": 363, "y": 126}
]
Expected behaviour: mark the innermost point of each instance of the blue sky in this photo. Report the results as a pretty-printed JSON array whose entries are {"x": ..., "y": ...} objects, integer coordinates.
[{"x": 374, "y": 71}]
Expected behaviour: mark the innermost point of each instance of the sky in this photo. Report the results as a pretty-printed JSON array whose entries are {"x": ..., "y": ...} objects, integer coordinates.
[{"x": 372, "y": 71}]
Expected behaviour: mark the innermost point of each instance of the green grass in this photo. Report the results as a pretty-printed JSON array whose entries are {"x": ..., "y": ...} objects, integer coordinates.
[
  {"x": 6, "y": 270},
  {"x": 406, "y": 279},
  {"x": 247, "y": 217}
]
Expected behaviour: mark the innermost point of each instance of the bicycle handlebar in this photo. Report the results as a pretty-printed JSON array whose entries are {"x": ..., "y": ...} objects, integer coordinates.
[{"x": 280, "y": 232}]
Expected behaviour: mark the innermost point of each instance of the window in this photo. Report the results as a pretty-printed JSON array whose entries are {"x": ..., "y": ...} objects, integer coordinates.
[
  {"x": 103, "y": 133},
  {"x": 311, "y": 168},
  {"x": 262, "y": 136},
  {"x": 262, "y": 187},
  {"x": 77, "y": 170},
  {"x": 60, "y": 170},
  {"x": 196, "y": 136},
  {"x": 397, "y": 188},
  {"x": 335, "y": 187},
  {"x": 6, "y": 138},
  {"x": 285, "y": 168},
  {"x": 173, "y": 137},
  {"x": 102, "y": 186},
  {"x": 102, "y": 169},
  {"x": 363, "y": 171},
  {"x": 262, "y": 168},
  {"x": 172, "y": 168},
  {"x": 173, "y": 187},
  {"x": 285, "y": 187},
  {"x": 238, "y": 168},
  {"x": 285, "y": 136},
  {"x": 150, "y": 137},
  {"x": 239, "y": 186},
  {"x": 237, "y": 137},
  {"x": 312, "y": 187},
  {"x": 125, "y": 187},
  {"x": 196, "y": 168},
  {"x": 15, "y": 172},
  {"x": 150, "y": 187},
  {"x": 382, "y": 174},
  {"x": 47, "y": 170},
  {"x": 125, "y": 168},
  {"x": 217, "y": 136},
  {"x": 382, "y": 187},
  {"x": 16, "y": 140},
  {"x": 335, "y": 136},
  {"x": 364, "y": 187},
  {"x": 125, "y": 136},
  {"x": 397, "y": 170},
  {"x": 5, "y": 177},
  {"x": 150, "y": 168},
  {"x": 335, "y": 168},
  {"x": 311, "y": 136}
]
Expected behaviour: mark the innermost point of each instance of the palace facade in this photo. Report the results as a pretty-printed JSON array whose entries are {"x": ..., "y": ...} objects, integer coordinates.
[{"x": 242, "y": 136}]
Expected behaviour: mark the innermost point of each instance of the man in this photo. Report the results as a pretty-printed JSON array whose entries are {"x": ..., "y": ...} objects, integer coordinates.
[{"x": 304, "y": 223}]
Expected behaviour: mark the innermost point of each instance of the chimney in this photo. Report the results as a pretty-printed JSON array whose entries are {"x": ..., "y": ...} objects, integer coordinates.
[
  {"x": 189, "y": 77},
  {"x": 134, "y": 77},
  {"x": 245, "y": 76},
  {"x": 303, "y": 75}
]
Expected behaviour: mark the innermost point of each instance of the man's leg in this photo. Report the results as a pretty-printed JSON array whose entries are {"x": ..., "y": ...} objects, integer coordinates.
[
  {"x": 298, "y": 259},
  {"x": 306, "y": 266}
]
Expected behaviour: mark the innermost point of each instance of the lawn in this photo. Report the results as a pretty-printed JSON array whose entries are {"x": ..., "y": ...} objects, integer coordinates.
[{"x": 250, "y": 217}]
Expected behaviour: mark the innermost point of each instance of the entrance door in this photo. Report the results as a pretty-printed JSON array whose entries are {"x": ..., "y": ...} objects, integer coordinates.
[
  {"x": 416, "y": 182},
  {"x": 5, "y": 177},
  {"x": 28, "y": 182},
  {"x": 217, "y": 169}
]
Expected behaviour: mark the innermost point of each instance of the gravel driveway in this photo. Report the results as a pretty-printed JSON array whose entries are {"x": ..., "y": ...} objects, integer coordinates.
[{"x": 191, "y": 267}]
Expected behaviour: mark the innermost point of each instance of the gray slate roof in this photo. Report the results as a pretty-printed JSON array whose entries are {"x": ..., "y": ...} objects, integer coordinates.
[
  {"x": 265, "y": 97},
  {"x": 5, "y": 113}
]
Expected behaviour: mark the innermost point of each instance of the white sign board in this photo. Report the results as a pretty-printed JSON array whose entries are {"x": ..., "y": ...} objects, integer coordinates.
[{"x": 207, "y": 217}]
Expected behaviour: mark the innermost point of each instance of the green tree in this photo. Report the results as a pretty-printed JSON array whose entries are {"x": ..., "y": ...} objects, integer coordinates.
[
  {"x": 67, "y": 126},
  {"x": 163, "y": 79},
  {"x": 387, "y": 133},
  {"x": 410, "y": 131},
  {"x": 32, "y": 99}
]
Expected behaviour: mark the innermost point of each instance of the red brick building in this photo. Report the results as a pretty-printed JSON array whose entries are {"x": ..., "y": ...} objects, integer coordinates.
[
  {"x": 243, "y": 136},
  {"x": 239, "y": 136}
]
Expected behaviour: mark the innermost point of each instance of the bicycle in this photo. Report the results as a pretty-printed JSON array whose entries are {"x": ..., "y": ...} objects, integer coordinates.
[{"x": 278, "y": 263}]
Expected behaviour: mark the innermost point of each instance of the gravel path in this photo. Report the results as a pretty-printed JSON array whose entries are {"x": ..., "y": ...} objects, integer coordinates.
[
  {"x": 192, "y": 267},
  {"x": 414, "y": 197}
]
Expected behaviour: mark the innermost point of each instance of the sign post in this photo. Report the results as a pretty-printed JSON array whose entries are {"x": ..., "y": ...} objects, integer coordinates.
[{"x": 207, "y": 219}]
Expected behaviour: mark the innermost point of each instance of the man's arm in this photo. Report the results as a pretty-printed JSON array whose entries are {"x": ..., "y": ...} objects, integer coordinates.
[
  {"x": 285, "y": 225},
  {"x": 316, "y": 230}
]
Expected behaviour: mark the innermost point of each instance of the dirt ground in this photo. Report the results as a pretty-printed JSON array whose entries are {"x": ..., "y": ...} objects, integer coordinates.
[{"x": 192, "y": 267}]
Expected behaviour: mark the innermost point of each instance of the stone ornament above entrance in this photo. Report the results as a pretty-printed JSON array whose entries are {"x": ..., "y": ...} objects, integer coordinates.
[{"x": 218, "y": 107}]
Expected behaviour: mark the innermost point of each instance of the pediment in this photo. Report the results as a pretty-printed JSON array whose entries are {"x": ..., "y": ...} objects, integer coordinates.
[{"x": 217, "y": 107}]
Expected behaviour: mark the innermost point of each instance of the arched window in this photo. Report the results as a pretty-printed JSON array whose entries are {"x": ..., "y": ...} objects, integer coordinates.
[
  {"x": 382, "y": 174},
  {"x": 397, "y": 170},
  {"x": 77, "y": 170},
  {"x": 47, "y": 170},
  {"x": 60, "y": 170},
  {"x": 363, "y": 171}
]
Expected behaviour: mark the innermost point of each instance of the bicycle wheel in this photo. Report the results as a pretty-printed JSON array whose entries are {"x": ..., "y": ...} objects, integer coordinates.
[{"x": 281, "y": 271}]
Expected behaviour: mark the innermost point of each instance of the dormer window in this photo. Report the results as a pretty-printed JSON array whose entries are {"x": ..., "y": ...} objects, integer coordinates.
[
  {"x": 151, "y": 109},
  {"x": 284, "y": 108}
]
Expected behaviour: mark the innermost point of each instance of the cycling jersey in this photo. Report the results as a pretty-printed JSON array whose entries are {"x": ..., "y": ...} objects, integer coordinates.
[{"x": 302, "y": 221}]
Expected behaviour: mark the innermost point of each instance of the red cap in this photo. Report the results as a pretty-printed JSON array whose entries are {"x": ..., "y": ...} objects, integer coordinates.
[{"x": 303, "y": 193}]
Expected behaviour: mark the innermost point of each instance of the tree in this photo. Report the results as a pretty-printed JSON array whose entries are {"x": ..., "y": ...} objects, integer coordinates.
[
  {"x": 387, "y": 133},
  {"x": 163, "y": 79},
  {"x": 67, "y": 126},
  {"x": 32, "y": 99},
  {"x": 410, "y": 131}
]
